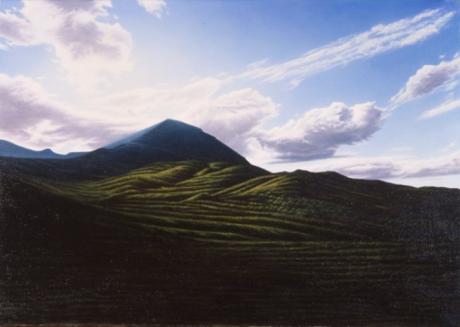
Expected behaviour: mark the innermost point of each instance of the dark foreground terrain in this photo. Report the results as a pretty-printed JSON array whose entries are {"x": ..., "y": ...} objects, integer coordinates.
[{"x": 200, "y": 242}]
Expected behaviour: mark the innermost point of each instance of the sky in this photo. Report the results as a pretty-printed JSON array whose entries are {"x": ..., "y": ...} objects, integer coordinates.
[{"x": 366, "y": 88}]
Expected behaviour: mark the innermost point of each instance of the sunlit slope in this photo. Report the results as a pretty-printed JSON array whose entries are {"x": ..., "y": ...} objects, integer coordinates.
[
  {"x": 222, "y": 201},
  {"x": 215, "y": 201}
]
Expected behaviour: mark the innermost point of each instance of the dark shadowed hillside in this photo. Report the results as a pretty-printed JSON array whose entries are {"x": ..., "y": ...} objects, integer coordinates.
[
  {"x": 214, "y": 240},
  {"x": 170, "y": 140}
]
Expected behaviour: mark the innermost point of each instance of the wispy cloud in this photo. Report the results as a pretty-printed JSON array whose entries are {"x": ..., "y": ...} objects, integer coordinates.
[
  {"x": 379, "y": 39},
  {"x": 390, "y": 167},
  {"x": 427, "y": 80},
  {"x": 443, "y": 108}
]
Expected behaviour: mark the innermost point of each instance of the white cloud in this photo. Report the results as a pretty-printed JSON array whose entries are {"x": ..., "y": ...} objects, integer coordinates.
[
  {"x": 390, "y": 167},
  {"x": 28, "y": 115},
  {"x": 16, "y": 30},
  {"x": 319, "y": 132},
  {"x": 233, "y": 117},
  {"x": 90, "y": 44},
  {"x": 443, "y": 108},
  {"x": 428, "y": 79},
  {"x": 86, "y": 41},
  {"x": 237, "y": 118},
  {"x": 154, "y": 7},
  {"x": 379, "y": 39},
  {"x": 141, "y": 107}
]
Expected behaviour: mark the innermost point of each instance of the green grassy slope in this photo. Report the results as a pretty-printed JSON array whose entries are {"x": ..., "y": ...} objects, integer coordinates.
[
  {"x": 197, "y": 242},
  {"x": 213, "y": 201}
]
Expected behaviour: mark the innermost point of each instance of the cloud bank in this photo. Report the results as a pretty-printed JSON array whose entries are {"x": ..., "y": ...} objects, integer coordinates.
[
  {"x": 28, "y": 115},
  {"x": 392, "y": 167}
]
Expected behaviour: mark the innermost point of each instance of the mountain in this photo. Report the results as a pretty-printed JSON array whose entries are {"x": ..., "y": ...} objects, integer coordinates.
[
  {"x": 8, "y": 149},
  {"x": 170, "y": 140},
  {"x": 11, "y": 150},
  {"x": 170, "y": 226},
  {"x": 167, "y": 141}
]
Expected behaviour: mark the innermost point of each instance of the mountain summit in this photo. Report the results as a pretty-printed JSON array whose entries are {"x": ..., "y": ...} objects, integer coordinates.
[{"x": 169, "y": 140}]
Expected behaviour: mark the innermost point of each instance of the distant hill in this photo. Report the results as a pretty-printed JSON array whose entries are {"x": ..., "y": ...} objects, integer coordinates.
[
  {"x": 8, "y": 149},
  {"x": 11, "y": 150}
]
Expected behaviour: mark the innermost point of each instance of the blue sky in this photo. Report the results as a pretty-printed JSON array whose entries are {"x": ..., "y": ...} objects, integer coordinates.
[{"x": 367, "y": 88}]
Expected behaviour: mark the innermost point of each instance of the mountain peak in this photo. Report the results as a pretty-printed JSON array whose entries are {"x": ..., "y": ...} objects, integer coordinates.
[
  {"x": 174, "y": 122},
  {"x": 169, "y": 140},
  {"x": 176, "y": 126}
]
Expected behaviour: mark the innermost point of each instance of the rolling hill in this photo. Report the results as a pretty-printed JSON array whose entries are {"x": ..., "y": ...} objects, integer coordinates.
[{"x": 185, "y": 234}]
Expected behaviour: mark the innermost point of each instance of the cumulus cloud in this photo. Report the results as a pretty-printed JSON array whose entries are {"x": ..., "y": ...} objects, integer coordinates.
[
  {"x": 447, "y": 106},
  {"x": 319, "y": 132},
  {"x": 16, "y": 30},
  {"x": 235, "y": 117},
  {"x": 84, "y": 37},
  {"x": 428, "y": 79},
  {"x": 380, "y": 38},
  {"x": 28, "y": 115},
  {"x": 154, "y": 7}
]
